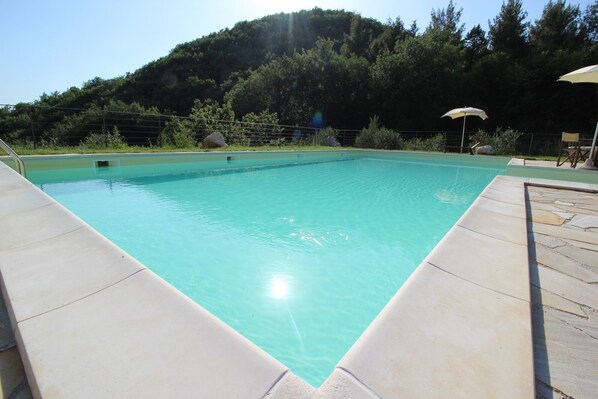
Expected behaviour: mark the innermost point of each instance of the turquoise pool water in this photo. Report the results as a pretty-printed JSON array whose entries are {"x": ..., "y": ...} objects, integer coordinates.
[{"x": 297, "y": 257}]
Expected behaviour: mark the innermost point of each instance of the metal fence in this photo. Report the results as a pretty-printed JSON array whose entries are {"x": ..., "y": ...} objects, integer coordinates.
[{"x": 50, "y": 126}]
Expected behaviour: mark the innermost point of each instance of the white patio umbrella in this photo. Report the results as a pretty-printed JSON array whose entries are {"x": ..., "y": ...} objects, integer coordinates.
[
  {"x": 587, "y": 74},
  {"x": 464, "y": 113}
]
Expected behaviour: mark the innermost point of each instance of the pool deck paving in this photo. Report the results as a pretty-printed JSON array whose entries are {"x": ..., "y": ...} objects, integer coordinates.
[
  {"x": 508, "y": 297},
  {"x": 563, "y": 235}
]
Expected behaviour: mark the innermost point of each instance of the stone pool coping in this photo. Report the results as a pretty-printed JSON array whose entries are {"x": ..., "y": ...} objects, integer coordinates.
[{"x": 93, "y": 322}]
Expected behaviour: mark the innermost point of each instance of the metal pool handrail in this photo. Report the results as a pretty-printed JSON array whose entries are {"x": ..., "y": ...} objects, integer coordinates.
[{"x": 16, "y": 157}]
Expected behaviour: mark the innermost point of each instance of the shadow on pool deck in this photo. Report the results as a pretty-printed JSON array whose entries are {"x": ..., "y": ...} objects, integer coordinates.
[
  {"x": 563, "y": 252},
  {"x": 13, "y": 382}
]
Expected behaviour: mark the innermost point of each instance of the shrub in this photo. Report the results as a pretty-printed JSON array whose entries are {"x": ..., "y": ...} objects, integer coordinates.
[
  {"x": 261, "y": 128},
  {"x": 279, "y": 142},
  {"x": 178, "y": 133},
  {"x": 323, "y": 136},
  {"x": 184, "y": 139},
  {"x": 233, "y": 134},
  {"x": 375, "y": 136},
  {"x": 112, "y": 140},
  {"x": 435, "y": 143},
  {"x": 503, "y": 141}
]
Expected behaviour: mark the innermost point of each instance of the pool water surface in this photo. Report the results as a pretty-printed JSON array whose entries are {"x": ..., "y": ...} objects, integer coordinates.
[{"x": 299, "y": 259}]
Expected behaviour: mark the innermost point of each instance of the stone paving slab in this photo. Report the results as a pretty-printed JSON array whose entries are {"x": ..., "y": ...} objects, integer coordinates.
[
  {"x": 565, "y": 285},
  {"x": 568, "y": 233},
  {"x": 564, "y": 273},
  {"x": 548, "y": 299},
  {"x": 567, "y": 261},
  {"x": 571, "y": 365},
  {"x": 13, "y": 384},
  {"x": 547, "y": 217}
]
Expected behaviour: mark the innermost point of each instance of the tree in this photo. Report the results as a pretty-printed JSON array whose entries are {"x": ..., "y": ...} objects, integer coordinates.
[
  {"x": 590, "y": 20},
  {"x": 297, "y": 87},
  {"x": 559, "y": 28},
  {"x": 508, "y": 33},
  {"x": 393, "y": 31},
  {"x": 445, "y": 25},
  {"x": 476, "y": 45},
  {"x": 357, "y": 42},
  {"x": 418, "y": 80},
  {"x": 413, "y": 29}
]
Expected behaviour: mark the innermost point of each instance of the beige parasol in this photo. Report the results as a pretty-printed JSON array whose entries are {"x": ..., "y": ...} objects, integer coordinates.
[{"x": 464, "y": 113}]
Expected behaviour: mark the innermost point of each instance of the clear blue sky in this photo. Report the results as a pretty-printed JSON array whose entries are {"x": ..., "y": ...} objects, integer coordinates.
[{"x": 51, "y": 45}]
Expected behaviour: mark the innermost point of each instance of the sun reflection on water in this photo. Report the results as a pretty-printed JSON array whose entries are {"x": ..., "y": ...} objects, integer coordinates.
[{"x": 279, "y": 288}]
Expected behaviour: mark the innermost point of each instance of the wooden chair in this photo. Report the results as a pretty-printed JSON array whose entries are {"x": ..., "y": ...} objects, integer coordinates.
[{"x": 571, "y": 150}]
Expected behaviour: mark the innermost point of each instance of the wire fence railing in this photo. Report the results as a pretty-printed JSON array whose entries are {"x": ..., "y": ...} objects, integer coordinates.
[{"x": 72, "y": 127}]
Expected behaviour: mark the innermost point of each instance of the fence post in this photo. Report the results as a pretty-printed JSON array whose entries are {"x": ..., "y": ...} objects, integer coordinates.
[
  {"x": 159, "y": 129},
  {"x": 531, "y": 140},
  {"x": 33, "y": 133},
  {"x": 104, "y": 130}
]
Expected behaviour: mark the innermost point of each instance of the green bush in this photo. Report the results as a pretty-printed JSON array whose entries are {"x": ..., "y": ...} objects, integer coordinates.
[
  {"x": 108, "y": 140},
  {"x": 178, "y": 133},
  {"x": 504, "y": 142},
  {"x": 184, "y": 140},
  {"x": 234, "y": 134},
  {"x": 279, "y": 142},
  {"x": 322, "y": 137},
  {"x": 378, "y": 137},
  {"x": 435, "y": 143},
  {"x": 261, "y": 128}
]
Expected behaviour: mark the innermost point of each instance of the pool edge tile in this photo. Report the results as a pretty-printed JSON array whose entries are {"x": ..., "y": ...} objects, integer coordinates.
[
  {"x": 88, "y": 263},
  {"x": 138, "y": 317},
  {"x": 341, "y": 384},
  {"x": 291, "y": 386},
  {"x": 495, "y": 264},
  {"x": 483, "y": 349},
  {"x": 495, "y": 225},
  {"x": 21, "y": 199}
]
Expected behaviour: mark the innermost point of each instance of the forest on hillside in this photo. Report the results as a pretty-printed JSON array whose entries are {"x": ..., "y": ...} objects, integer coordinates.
[{"x": 336, "y": 68}]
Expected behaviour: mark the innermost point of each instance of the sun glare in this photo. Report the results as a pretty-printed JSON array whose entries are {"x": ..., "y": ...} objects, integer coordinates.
[
  {"x": 274, "y": 6},
  {"x": 279, "y": 288}
]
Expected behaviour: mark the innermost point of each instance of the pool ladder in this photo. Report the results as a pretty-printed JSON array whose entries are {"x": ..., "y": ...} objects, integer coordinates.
[{"x": 19, "y": 162}]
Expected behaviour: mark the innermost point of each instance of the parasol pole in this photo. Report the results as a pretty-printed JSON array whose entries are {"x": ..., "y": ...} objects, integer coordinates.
[
  {"x": 463, "y": 133},
  {"x": 589, "y": 163}
]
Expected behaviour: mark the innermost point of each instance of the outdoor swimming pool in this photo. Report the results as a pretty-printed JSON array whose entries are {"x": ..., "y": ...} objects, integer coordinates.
[{"x": 298, "y": 256}]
